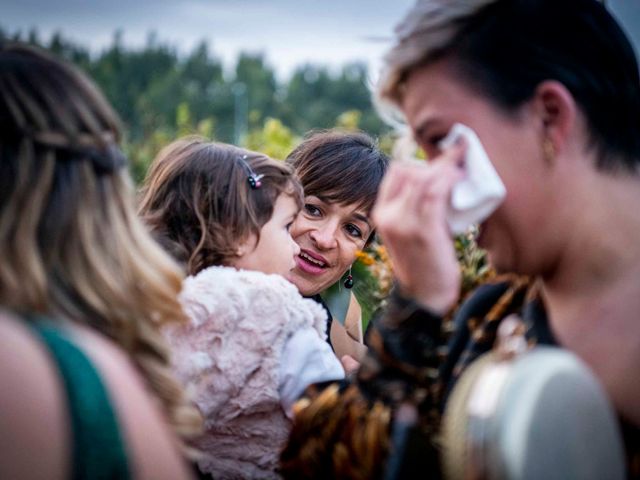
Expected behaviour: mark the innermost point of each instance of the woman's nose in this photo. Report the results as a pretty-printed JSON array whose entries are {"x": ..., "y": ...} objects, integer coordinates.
[{"x": 324, "y": 238}]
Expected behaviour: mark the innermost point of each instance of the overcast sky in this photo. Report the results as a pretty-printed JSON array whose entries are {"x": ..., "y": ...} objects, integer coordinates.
[{"x": 289, "y": 32}]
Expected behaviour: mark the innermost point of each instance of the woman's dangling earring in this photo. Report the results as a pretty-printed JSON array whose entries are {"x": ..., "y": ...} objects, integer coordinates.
[
  {"x": 348, "y": 282},
  {"x": 549, "y": 150}
]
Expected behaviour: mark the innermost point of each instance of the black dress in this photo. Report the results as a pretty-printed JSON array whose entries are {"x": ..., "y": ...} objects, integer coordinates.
[{"x": 318, "y": 299}]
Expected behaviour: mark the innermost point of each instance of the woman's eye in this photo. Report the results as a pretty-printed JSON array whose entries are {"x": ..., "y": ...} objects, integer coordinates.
[
  {"x": 312, "y": 210},
  {"x": 435, "y": 140},
  {"x": 431, "y": 152},
  {"x": 433, "y": 143},
  {"x": 353, "y": 231}
]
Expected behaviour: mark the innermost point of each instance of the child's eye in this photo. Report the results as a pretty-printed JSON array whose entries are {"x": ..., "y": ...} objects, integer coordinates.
[
  {"x": 312, "y": 210},
  {"x": 288, "y": 226}
]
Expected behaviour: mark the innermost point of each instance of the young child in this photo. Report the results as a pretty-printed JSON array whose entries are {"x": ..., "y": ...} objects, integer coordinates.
[{"x": 253, "y": 343}]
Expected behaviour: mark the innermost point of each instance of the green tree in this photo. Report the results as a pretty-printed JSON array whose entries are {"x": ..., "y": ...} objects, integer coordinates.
[
  {"x": 260, "y": 83},
  {"x": 273, "y": 139}
]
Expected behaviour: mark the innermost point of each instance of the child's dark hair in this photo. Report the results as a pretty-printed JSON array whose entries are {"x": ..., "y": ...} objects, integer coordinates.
[{"x": 198, "y": 201}]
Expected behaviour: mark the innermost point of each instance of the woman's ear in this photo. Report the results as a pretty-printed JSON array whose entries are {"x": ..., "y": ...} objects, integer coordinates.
[{"x": 557, "y": 110}]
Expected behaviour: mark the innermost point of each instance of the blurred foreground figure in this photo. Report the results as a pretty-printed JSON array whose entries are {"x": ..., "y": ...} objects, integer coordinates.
[
  {"x": 86, "y": 384},
  {"x": 551, "y": 89}
]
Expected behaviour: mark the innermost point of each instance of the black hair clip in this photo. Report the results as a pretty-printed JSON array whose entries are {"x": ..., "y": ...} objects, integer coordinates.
[
  {"x": 254, "y": 181},
  {"x": 105, "y": 157},
  {"x": 252, "y": 178},
  {"x": 106, "y": 160}
]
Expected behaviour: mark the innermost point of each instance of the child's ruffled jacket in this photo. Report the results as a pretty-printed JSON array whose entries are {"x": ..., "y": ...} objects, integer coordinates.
[{"x": 252, "y": 344}]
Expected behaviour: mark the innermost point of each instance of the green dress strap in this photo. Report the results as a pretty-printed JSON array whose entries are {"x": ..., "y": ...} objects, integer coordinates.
[{"x": 98, "y": 447}]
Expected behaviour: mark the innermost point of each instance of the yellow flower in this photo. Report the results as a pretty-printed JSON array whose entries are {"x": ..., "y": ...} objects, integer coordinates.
[
  {"x": 365, "y": 258},
  {"x": 382, "y": 253}
]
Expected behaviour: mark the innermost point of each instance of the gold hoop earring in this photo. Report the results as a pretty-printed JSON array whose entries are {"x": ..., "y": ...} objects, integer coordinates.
[{"x": 548, "y": 150}]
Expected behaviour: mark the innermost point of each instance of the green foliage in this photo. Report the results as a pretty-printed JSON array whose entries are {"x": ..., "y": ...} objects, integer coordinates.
[
  {"x": 349, "y": 120},
  {"x": 474, "y": 265},
  {"x": 147, "y": 86},
  {"x": 161, "y": 95},
  {"x": 260, "y": 83},
  {"x": 373, "y": 273},
  {"x": 315, "y": 98},
  {"x": 142, "y": 152},
  {"x": 274, "y": 139}
]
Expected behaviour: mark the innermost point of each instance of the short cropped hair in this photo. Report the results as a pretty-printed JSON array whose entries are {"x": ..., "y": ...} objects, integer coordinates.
[{"x": 504, "y": 49}]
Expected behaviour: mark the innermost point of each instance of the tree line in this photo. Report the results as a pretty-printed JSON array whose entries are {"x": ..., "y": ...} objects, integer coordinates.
[{"x": 160, "y": 94}]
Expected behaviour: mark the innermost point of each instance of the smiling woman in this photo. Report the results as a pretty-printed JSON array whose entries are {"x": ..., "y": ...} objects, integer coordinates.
[
  {"x": 340, "y": 173},
  {"x": 338, "y": 231}
]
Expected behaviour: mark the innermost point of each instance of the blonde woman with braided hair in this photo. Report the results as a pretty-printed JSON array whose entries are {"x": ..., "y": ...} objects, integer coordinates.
[{"x": 87, "y": 389}]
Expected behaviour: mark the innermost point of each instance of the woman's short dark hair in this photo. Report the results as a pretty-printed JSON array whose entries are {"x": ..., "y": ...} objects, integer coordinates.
[
  {"x": 340, "y": 167},
  {"x": 505, "y": 48},
  {"x": 199, "y": 204}
]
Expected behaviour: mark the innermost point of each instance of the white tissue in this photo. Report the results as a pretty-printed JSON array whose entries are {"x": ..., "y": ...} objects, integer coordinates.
[{"x": 480, "y": 191}]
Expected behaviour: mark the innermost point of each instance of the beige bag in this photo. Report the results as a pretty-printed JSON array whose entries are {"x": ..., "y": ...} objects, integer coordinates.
[{"x": 536, "y": 414}]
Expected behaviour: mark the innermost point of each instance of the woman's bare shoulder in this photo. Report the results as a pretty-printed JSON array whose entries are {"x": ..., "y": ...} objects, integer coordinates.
[
  {"x": 153, "y": 449},
  {"x": 34, "y": 423},
  {"x": 26, "y": 366}
]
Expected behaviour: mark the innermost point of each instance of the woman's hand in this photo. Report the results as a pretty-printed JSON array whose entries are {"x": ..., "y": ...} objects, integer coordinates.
[
  {"x": 349, "y": 364},
  {"x": 410, "y": 215}
]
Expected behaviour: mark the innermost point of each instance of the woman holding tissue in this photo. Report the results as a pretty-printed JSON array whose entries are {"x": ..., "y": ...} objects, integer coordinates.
[{"x": 560, "y": 123}]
